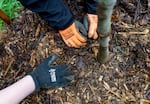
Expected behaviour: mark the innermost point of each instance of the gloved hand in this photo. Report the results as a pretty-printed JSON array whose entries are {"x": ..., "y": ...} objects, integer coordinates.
[
  {"x": 46, "y": 76},
  {"x": 91, "y": 22},
  {"x": 74, "y": 35}
]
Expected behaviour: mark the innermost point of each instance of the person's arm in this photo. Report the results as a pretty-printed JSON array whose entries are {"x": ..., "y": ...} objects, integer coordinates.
[
  {"x": 17, "y": 91},
  {"x": 91, "y": 7},
  {"x": 44, "y": 76},
  {"x": 58, "y": 16}
]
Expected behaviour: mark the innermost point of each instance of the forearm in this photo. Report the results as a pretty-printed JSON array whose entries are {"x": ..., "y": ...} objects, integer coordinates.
[
  {"x": 18, "y": 91},
  {"x": 39, "y": 78}
]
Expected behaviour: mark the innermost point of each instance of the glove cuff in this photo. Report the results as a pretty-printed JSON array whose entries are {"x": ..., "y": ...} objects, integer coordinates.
[{"x": 35, "y": 79}]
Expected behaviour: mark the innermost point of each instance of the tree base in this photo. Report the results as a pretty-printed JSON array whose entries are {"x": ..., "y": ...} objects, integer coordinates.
[{"x": 103, "y": 55}]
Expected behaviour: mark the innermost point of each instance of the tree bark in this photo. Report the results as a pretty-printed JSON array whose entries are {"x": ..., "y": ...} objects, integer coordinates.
[{"x": 104, "y": 11}]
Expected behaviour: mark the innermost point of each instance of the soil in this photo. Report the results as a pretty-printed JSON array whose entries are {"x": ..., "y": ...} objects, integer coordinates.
[{"x": 123, "y": 80}]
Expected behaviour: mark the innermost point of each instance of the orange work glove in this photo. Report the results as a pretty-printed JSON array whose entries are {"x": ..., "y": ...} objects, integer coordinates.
[
  {"x": 91, "y": 22},
  {"x": 74, "y": 35}
]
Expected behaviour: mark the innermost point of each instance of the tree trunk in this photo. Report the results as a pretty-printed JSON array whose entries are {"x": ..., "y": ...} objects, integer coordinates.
[{"x": 104, "y": 11}]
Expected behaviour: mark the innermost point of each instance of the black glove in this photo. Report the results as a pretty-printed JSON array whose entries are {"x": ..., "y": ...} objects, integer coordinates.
[{"x": 46, "y": 76}]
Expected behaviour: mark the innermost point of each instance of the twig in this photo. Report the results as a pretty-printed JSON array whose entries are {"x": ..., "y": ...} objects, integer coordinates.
[
  {"x": 125, "y": 86},
  {"x": 148, "y": 3},
  {"x": 92, "y": 89},
  {"x": 8, "y": 68},
  {"x": 144, "y": 101},
  {"x": 4, "y": 17},
  {"x": 18, "y": 71},
  {"x": 38, "y": 29},
  {"x": 60, "y": 98},
  {"x": 8, "y": 50},
  {"x": 146, "y": 31},
  {"x": 107, "y": 87}
]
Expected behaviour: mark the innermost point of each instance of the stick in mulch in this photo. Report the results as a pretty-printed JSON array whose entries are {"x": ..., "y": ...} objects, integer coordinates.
[
  {"x": 148, "y": 3},
  {"x": 4, "y": 17},
  {"x": 8, "y": 68},
  {"x": 146, "y": 31},
  {"x": 107, "y": 87},
  {"x": 92, "y": 89},
  {"x": 144, "y": 101}
]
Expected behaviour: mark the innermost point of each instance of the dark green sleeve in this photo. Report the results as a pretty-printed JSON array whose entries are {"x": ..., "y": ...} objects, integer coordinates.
[
  {"x": 54, "y": 12},
  {"x": 91, "y": 6}
]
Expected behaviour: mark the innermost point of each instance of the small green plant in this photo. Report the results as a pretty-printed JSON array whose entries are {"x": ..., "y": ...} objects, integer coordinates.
[{"x": 10, "y": 7}]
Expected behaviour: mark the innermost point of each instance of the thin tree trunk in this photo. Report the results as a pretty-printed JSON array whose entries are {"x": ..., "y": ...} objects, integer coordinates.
[{"x": 104, "y": 11}]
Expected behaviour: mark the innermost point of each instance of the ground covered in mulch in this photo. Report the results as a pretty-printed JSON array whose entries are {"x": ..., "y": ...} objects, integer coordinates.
[{"x": 123, "y": 80}]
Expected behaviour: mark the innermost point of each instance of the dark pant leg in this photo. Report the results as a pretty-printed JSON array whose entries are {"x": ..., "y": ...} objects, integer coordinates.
[{"x": 53, "y": 11}]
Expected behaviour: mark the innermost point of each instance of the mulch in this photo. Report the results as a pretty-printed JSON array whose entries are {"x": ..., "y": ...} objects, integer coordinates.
[{"x": 123, "y": 80}]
